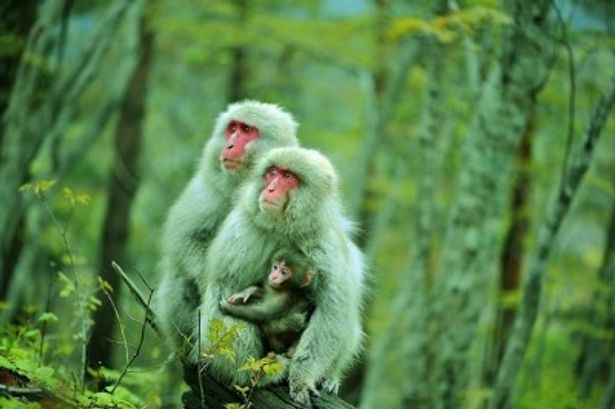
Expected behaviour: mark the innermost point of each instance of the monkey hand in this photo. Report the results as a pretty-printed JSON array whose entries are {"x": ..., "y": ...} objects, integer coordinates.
[
  {"x": 331, "y": 385},
  {"x": 244, "y": 295},
  {"x": 226, "y": 306},
  {"x": 300, "y": 392},
  {"x": 234, "y": 299}
]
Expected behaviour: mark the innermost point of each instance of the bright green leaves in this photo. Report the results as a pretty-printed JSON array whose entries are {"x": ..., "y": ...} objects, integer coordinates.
[
  {"x": 448, "y": 28},
  {"x": 38, "y": 188},
  {"x": 42, "y": 187},
  {"x": 266, "y": 365},
  {"x": 73, "y": 198},
  {"x": 221, "y": 338}
]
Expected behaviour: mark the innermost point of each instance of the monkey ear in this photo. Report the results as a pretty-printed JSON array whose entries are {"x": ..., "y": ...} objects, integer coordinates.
[{"x": 307, "y": 280}]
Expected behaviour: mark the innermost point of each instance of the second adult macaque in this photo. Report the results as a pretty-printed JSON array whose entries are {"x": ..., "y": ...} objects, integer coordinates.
[{"x": 282, "y": 305}]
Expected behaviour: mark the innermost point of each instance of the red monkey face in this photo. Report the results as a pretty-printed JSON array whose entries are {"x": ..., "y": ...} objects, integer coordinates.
[
  {"x": 278, "y": 182},
  {"x": 238, "y": 135},
  {"x": 279, "y": 274}
]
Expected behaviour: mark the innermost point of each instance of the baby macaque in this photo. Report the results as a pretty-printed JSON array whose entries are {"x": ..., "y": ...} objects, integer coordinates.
[{"x": 282, "y": 305}]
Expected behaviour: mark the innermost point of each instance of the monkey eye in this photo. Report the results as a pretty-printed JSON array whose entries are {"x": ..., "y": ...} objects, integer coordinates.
[
  {"x": 246, "y": 128},
  {"x": 232, "y": 127},
  {"x": 272, "y": 171},
  {"x": 286, "y": 174},
  {"x": 284, "y": 272},
  {"x": 275, "y": 266}
]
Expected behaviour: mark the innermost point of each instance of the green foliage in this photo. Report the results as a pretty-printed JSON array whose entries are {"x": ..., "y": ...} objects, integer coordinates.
[
  {"x": 19, "y": 353},
  {"x": 221, "y": 338},
  {"x": 450, "y": 27},
  {"x": 257, "y": 368}
]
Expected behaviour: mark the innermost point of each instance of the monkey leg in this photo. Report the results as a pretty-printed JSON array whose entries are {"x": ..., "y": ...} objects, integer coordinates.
[
  {"x": 332, "y": 380},
  {"x": 175, "y": 303}
]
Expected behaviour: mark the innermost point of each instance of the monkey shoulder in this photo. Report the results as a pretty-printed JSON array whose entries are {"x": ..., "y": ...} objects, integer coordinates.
[{"x": 198, "y": 209}]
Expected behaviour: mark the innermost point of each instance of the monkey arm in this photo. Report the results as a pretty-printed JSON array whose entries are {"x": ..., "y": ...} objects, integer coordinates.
[
  {"x": 245, "y": 295},
  {"x": 267, "y": 308}
]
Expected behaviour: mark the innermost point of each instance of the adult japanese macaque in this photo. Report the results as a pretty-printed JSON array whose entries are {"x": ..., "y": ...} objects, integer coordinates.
[
  {"x": 243, "y": 133},
  {"x": 290, "y": 200},
  {"x": 282, "y": 303}
]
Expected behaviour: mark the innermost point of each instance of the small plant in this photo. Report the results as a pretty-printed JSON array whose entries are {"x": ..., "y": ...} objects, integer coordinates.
[{"x": 257, "y": 368}]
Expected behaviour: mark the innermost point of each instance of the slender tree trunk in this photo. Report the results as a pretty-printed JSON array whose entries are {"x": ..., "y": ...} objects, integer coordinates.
[
  {"x": 123, "y": 186},
  {"x": 375, "y": 90},
  {"x": 17, "y": 17},
  {"x": 464, "y": 279},
  {"x": 19, "y": 143},
  {"x": 532, "y": 286},
  {"x": 513, "y": 251},
  {"x": 405, "y": 341},
  {"x": 42, "y": 104},
  {"x": 608, "y": 400},
  {"x": 239, "y": 72},
  {"x": 596, "y": 353}
]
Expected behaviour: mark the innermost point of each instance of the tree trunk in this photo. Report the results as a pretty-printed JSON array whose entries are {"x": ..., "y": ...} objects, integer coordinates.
[
  {"x": 375, "y": 85},
  {"x": 404, "y": 343},
  {"x": 532, "y": 286},
  {"x": 596, "y": 352},
  {"x": 123, "y": 186},
  {"x": 239, "y": 67},
  {"x": 42, "y": 104},
  {"x": 513, "y": 251},
  {"x": 17, "y": 20},
  {"x": 20, "y": 143},
  {"x": 464, "y": 278}
]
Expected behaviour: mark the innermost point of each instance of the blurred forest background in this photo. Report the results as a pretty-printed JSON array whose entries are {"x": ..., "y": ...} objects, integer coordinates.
[{"x": 474, "y": 146}]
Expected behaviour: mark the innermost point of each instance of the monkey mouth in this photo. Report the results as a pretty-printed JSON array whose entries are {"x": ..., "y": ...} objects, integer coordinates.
[
  {"x": 231, "y": 164},
  {"x": 272, "y": 206}
]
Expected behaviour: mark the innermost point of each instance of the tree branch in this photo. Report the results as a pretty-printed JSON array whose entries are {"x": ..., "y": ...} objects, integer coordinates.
[
  {"x": 216, "y": 395},
  {"x": 532, "y": 288}
]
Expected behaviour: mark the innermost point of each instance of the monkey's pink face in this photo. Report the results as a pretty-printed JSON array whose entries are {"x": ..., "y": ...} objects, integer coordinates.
[
  {"x": 278, "y": 183},
  {"x": 279, "y": 274},
  {"x": 237, "y": 135}
]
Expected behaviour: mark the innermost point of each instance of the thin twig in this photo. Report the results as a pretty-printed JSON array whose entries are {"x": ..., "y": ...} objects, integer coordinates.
[
  {"x": 565, "y": 41},
  {"x": 139, "y": 346},
  {"x": 124, "y": 342},
  {"x": 199, "y": 363},
  {"x": 150, "y": 316},
  {"x": 44, "y": 327},
  {"x": 63, "y": 231}
]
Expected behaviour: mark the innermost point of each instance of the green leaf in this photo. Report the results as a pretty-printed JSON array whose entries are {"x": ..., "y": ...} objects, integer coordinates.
[{"x": 47, "y": 317}]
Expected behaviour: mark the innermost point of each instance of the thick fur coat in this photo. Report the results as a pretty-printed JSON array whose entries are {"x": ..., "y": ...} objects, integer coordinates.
[
  {"x": 195, "y": 217},
  {"x": 313, "y": 223}
]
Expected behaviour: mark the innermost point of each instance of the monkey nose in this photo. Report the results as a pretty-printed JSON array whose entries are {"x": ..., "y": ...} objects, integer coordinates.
[{"x": 230, "y": 146}]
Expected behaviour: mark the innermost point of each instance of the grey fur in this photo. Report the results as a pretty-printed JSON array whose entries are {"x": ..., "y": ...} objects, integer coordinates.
[
  {"x": 194, "y": 218},
  {"x": 314, "y": 224}
]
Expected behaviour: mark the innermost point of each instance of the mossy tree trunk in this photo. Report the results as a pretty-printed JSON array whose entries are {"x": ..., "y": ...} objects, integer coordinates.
[
  {"x": 404, "y": 344},
  {"x": 464, "y": 273},
  {"x": 124, "y": 181},
  {"x": 596, "y": 351},
  {"x": 534, "y": 279}
]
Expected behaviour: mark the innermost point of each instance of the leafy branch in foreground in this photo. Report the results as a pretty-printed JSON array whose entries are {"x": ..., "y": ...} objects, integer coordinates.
[{"x": 41, "y": 189}]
